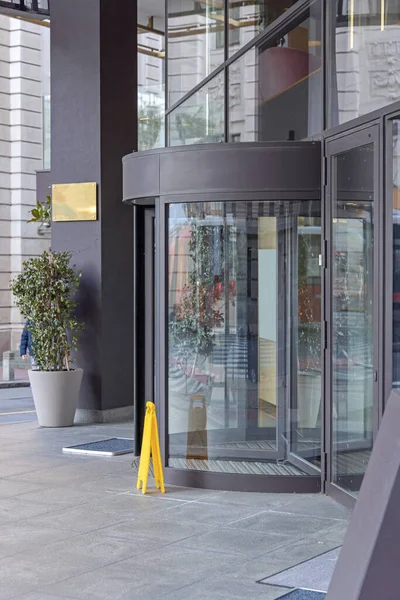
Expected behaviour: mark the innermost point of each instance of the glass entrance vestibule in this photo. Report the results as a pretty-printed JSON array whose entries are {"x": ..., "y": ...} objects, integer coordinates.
[{"x": 266, "y": 344}]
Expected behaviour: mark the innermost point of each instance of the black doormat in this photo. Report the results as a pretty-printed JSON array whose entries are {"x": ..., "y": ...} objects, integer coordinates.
[
  {"x": 304, "y": 595},
  {"x": 110, "y": 447}
]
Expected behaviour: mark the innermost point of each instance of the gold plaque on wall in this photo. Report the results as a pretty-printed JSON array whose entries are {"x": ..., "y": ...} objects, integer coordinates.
[{"x": 74, "y": 202}]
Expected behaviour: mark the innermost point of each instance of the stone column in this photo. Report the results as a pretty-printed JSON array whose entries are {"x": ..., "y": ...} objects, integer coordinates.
[{"x": 94, "y": 124}]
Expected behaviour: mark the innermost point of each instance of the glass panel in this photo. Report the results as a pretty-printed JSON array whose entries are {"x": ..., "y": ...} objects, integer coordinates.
[
  {"x": 352, "y": 318},
  {"x": 151, "y": 91},
  {"x": 244, "y": 381},
  {"x": 366, "y": 46},
  {"x": 200, "y": 119},
  {"x": 306, "y": 340},
  {"x": 248, "y": 19},
  {"x": 396, "y": 254},
  {"x": 275, "y": 92},
  {"x": 196, "y": 44}
]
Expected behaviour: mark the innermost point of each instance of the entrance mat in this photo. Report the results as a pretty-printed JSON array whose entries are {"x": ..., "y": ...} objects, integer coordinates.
[
  {"x": 313, "y": 574},
  {"x": 303, "y": 595},
  {"x": 110, "y": 447}
]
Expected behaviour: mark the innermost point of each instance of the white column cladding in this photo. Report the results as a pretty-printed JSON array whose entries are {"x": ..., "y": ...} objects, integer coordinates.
[{"x": 21, "y": 152}]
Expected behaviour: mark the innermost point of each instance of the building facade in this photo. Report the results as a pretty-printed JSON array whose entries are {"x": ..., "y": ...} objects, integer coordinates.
[
  {"x": 24, "y": 79},
  {"x": 249, "y": 283},
  {"x": 275, "y": 204}
]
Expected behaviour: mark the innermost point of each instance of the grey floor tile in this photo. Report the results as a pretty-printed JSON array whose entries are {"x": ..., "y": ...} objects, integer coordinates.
[
  {"x": 283, "y": 523},
  {"x": 9, "y": 592},
  {"x": 19, "y": 537},
  {"x": 221, "y": 588},
  {"x": 299, "y": 551},
  {"x": 334, "y": 535},
  {"x": 188, "y": 564},
  {"x": 9, "y": 489},
  {"x": 99, "y": 514},
  {"x": 41, "y": 596},
  {"x": 162, "y": 530},
  {"x": 237, "y": 542},
  {"x": 18, "y": 510},
  {"x": 314, "y": 574},
  {"x": 317, "y": 506},
  {"x": 259, "y": 501},
  {"x": 71, "y": 472},
  {"x": 123, "y": 579},
  {"x": 211, "y": 514},
  {"x": 61, "y": 560},
  {"x": 59, "y": 497}
]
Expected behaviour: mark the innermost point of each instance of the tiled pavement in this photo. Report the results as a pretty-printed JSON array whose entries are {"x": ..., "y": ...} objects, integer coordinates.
[{"x": 74, "y": 527}]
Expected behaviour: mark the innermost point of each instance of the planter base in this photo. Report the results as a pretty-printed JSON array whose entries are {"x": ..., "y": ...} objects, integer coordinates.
[{"x": 55, "y": 394}]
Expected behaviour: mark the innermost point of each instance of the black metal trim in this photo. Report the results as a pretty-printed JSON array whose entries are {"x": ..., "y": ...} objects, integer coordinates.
[
  {"x": 243, "y": 483},
  {"x": 362, "y": 121},
  {"x": 166, "y": 137},
  {"x": 337, "y": 145}
]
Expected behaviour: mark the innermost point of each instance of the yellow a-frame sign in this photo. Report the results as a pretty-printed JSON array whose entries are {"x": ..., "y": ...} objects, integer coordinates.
[{"x": 150, "y": 447}]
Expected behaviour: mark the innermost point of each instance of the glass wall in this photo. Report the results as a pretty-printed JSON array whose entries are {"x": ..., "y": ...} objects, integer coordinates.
[
  {"x": 244, "y": 307},
  {"x": 151, "y": 90},
  {"x": 365, "y": 47},
  {"x": 248, "y": 19},
  {"x": 200, "y": 119},
  {"x": 196, "y": 43},
  {"x": 275, "y": 91}
]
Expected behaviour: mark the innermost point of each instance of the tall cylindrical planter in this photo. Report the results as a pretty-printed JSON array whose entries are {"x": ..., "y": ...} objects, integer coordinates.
[{"x": 55, "y": 394}]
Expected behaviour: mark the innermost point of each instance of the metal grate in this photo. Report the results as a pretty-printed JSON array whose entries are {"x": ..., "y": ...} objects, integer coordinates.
[
  {"x": 109, "y": 447},
  {"x": 304, "y": 595},
  {"x": 230, "y": 466}
]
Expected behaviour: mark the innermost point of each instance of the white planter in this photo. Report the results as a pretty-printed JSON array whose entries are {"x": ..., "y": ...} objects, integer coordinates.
[
  {"x": 55, "y": 394},
  {"x": 308, "y": 399}
]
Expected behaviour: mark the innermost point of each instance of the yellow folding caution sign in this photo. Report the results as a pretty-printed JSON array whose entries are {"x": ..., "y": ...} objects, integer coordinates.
[{"x": 150, "y": 447}]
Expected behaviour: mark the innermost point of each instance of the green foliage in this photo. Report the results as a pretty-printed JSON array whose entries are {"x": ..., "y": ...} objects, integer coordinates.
[
  {"x": 45, "y": 295},
  {"x": 149, "y": 127},
  {"x": 42, "y": 213},
  {"x": 199, "y": 312}
]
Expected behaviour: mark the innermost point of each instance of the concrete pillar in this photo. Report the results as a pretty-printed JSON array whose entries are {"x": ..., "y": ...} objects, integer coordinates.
[{"x": 93, "y": 125}]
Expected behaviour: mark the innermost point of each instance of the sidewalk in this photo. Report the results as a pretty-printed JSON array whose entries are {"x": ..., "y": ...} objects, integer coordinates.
[{"x": 74, "y": 527}]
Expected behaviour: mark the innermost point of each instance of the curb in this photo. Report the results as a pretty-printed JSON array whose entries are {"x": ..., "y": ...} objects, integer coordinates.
[{"x": 7, "y": 385}]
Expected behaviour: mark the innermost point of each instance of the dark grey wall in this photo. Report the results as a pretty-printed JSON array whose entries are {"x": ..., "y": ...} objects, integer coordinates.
[{"x": 93, "y": 125}]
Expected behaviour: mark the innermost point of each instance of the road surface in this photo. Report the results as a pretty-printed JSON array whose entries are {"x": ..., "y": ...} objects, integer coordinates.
[{"x": 16, "y": 406}]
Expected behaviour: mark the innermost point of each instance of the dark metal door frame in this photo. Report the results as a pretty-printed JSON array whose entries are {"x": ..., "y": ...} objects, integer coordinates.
[
  {"x": 144, "y": 316},
  {"x": 388, "y": 248},
  {"x": 334, "y": 148}
]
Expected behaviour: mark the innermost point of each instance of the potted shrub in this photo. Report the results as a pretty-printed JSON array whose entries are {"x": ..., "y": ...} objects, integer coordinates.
[{"x": 45, "y": 295}]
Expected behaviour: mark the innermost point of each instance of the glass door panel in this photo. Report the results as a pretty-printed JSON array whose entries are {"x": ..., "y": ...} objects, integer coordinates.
[
  {"x": 353, "y": 311},
  {"x": 244, "y": 386},
  {"x": 305, "y": 299}
]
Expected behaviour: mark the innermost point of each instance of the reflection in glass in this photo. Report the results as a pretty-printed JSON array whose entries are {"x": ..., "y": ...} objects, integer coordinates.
[
  {"x": 248, "y": 19},
  {"x": 396, "y": 253},
  {"x": 366, "y": 44},
  {"x": 275, "y": 92},
  {"x": 151, "y": 92},
  {"x": 199, "y": 120},
  {"x": 244, "y": 328},
  {"x": 352, "y": 317},
  {"x": 196, "y": 44}
]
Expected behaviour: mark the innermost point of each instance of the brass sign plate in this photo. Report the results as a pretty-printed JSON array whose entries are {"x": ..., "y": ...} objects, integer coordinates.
[{"x": 74, "y": 202}]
